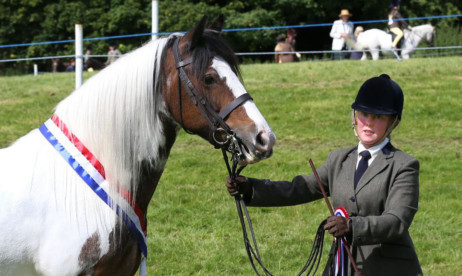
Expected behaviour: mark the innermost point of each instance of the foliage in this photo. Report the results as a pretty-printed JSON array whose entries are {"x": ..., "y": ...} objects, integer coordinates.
[
  {"x": 193, "y": 225},
  {"x": 39, "y": 20}
]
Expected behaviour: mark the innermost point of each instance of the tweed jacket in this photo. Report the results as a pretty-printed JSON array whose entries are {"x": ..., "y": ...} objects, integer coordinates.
[{"x": 381, "y": 208}]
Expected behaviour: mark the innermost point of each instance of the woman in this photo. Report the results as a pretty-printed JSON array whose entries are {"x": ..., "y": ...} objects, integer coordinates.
[
  {"x": 341, "y": 29},
  {"x": 284, "y": 46},
  {"x": 376, "y": 183},
  {"x": 396, "y": 24}
]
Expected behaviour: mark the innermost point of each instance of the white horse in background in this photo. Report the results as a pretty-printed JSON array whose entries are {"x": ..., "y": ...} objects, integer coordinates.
[{"x": 376, "y": 40}]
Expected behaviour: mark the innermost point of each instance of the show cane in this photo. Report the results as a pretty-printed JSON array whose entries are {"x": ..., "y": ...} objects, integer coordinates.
[{"x": 345, "y": 242}]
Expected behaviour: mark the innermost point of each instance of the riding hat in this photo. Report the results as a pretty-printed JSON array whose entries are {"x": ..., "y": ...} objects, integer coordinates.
[{"x": 380, "y": 95}]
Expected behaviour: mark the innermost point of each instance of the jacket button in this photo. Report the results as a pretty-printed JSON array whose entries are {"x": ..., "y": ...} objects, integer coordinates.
[
  {"x": 353, "y": 199},
  {"x": 353, "y": 214}
]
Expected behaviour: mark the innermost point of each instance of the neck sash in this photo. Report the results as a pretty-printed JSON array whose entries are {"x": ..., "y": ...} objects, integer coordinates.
[{"x": 91, "y": 171}]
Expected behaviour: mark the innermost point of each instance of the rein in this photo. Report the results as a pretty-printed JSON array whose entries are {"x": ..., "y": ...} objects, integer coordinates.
[
  {"x": 232, "y": 144},
  {"x": 314, "y": 259}
]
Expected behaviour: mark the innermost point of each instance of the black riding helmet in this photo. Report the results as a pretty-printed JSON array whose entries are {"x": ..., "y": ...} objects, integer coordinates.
[{"x": 380, "y": 95}]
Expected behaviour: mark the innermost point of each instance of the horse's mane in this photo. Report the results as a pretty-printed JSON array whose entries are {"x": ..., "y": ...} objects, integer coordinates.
[
  {"x": 116, "y": 113},
  {"x": 422, "y": 28}
]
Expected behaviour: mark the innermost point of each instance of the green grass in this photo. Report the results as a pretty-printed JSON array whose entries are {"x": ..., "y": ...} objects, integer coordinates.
[{"x": 193, "y": 225}]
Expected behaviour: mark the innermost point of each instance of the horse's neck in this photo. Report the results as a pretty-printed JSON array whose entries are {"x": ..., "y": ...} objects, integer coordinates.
[
  {"x": 150, "y": 175},
  {"x": 415, "y": 36}
]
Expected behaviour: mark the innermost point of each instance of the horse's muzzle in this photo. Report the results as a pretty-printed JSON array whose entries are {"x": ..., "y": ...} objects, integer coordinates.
[{"x": 255, "y": 149}]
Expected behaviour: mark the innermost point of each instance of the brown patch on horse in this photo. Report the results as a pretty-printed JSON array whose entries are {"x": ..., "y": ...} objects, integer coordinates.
[
  {"x": 90, "y": 252},
  {"x": 123, "y": 257}
]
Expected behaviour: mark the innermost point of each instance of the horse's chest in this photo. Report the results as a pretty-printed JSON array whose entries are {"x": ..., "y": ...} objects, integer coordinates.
[{"x": 58, "y": 224}]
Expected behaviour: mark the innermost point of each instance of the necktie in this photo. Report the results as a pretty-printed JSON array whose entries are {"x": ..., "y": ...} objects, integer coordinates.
[{"x": 362, "y": 166}]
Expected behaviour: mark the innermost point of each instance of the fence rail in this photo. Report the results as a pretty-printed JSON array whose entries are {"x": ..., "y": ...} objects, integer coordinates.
[
  {"x": 243, "y": 53},
  {"x": 228, "y": 30}
]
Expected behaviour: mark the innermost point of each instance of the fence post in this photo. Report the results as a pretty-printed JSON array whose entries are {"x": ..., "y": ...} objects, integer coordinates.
[
  {"x": 78, "y": 55},
  {"x": 155, "y": 19},
  {"x": 35, "y": 69}
]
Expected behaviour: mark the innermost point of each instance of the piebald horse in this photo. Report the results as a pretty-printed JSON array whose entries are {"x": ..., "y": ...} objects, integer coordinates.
[
  {"x": 121, "y": 125},
  {"x": 376, "y": 40}
]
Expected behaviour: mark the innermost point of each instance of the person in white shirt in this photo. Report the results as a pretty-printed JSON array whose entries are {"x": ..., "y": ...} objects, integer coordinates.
[{"x": 341, "y": 29}]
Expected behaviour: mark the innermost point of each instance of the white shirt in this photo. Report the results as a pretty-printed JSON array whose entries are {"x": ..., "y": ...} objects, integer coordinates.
[
  {"x": 374, "y": 151},
  {"x": 338, "y": 28}
]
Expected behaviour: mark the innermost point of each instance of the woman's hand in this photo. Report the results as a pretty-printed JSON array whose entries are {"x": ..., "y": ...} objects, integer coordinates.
[
  {"x": 338, "y": 226},
  {"x": 240, "y": 185}
]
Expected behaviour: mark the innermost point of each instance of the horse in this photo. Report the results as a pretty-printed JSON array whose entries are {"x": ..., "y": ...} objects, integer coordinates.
[
  {"x": 375, "y": 40},
  {"x": 117, "y": 131}
]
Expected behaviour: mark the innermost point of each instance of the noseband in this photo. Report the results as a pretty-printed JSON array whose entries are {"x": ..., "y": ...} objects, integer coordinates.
[{"x": 218, "y": 126}]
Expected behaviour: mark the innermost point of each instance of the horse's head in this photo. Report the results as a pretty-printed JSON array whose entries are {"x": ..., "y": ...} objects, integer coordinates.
[
  {"x": 424, "y": 32},
  {"x": 204, "y": 95},
  {"x": 430, "y": 36}
]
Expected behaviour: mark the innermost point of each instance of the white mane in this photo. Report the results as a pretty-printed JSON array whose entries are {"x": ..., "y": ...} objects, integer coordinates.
[
  {"x": 426, "y": 28},
  {"x": 116, "y": 115}
]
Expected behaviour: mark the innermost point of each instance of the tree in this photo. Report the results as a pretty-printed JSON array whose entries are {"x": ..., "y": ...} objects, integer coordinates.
[{"x": 24, "y": 21}]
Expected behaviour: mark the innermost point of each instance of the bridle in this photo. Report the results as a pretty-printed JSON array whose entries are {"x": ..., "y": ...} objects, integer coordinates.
[
  {"x": 218, "y": 126},
  {"x": 232, "y": 144}
]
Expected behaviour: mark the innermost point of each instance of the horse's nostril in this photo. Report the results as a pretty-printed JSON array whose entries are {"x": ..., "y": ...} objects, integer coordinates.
[{"x": 262, "y": 140}]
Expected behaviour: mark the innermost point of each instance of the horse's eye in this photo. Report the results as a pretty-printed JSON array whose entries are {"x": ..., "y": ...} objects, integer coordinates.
[{"x": 209, "y": 80}]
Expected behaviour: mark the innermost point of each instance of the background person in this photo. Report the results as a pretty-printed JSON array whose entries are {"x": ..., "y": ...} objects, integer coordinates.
[
  {"x": 90, "y": 62},
  {"x": 113, "y": 54},
  {"x": 341, "y": 29},
  {"x": 71, "y": 66},
  {"x": 396, "y": 26},
  {"x": 283, "y": 45},
  {"x": 376, "y": 183},
  {"x": 291, "y": 35}
]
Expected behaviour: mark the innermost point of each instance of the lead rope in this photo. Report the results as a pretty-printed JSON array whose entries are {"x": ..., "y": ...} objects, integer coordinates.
[{"x": 315, "y": 256}]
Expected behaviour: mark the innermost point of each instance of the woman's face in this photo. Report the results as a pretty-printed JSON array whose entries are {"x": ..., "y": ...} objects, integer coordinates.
[{"x": 371, "y": 128}]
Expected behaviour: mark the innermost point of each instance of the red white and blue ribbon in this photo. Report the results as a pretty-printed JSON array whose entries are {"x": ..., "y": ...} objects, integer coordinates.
[
  {"x": 340, "y": 257},
  {"x": 91, "y": 171}
]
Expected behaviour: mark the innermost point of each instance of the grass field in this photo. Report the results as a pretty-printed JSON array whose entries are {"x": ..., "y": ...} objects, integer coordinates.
[{"x": 193, "y": 225}]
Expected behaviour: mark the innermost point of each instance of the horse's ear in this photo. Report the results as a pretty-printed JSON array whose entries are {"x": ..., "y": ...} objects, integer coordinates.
[
  {"x": 217, "y": 25},
  {"x": 194, "y": 36}
]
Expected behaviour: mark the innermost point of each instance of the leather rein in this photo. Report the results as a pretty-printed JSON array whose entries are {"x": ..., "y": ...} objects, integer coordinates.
[{"x": 231, "y": 144}]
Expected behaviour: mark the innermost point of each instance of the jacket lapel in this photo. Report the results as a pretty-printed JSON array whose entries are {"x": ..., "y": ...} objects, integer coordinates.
[
  {"x": 379, "y": 164},
  {"x": 348, "y": 173},
  {"x": 350, "y": 165}
]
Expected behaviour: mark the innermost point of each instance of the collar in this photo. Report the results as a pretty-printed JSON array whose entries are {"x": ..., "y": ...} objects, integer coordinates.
[{"x": 374, "y": 151}]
